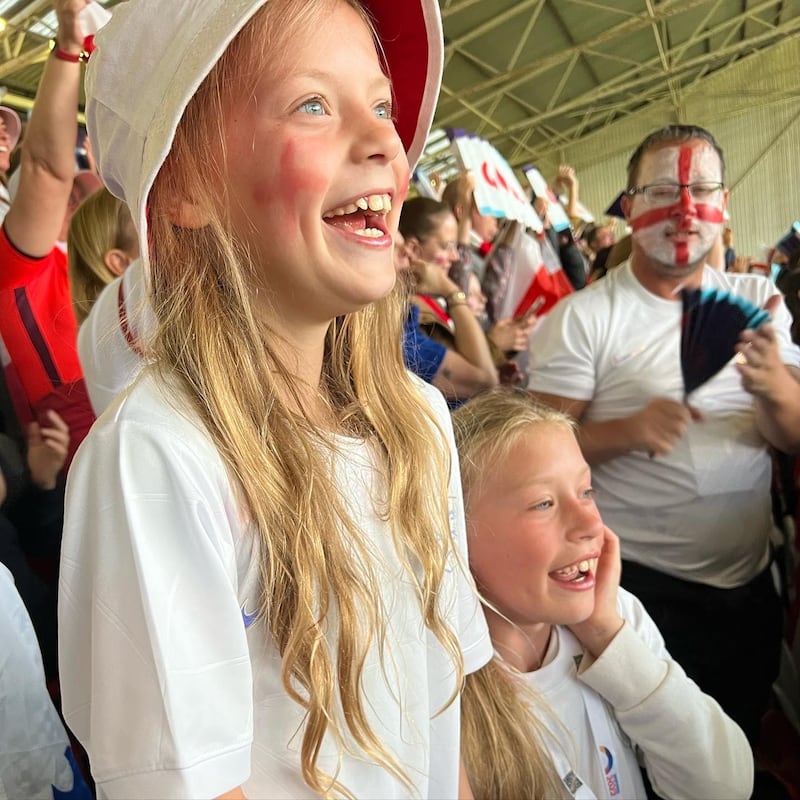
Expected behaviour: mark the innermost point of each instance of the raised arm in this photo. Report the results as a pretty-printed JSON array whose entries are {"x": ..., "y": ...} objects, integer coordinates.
[
  {"x": 568, "y": 178},
  {"x": 36, "y": 219}
]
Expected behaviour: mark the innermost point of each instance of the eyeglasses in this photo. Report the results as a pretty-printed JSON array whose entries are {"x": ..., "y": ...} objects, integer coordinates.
[{"x": 665, "y": 193}]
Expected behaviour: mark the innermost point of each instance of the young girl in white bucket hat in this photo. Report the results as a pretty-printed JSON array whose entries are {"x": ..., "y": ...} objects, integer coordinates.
[{"x": 262, "y": 582}]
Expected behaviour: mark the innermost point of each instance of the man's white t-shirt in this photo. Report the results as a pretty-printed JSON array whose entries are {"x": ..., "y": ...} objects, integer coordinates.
[
  {"x": 172, "y": 682},
  {"x": 702, "y": 512}
]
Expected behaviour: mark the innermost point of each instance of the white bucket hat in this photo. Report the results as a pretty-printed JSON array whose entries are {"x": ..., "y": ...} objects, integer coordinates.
[{"x": 134, "y": 102}]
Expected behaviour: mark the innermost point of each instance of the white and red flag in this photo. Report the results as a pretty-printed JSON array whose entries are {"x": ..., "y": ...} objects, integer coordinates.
[
  {"x": 498, "y": 192},
  {"x": 538, "y": 280}
]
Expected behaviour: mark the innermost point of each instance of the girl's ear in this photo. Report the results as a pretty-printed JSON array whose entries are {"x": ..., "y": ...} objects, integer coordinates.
[
  {"x": 186, "y": 214},
  {"x": 116, "y": 260},
  {"x": 414, "y": 248}
]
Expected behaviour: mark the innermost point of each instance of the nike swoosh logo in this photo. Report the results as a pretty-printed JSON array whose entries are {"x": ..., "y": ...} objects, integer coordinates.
[
  {"x": 248, "y": 619},
  {"x": 621, "y": 359}
]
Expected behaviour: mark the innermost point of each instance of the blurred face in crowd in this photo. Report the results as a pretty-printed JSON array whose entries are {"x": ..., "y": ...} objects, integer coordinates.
[
  {"x": 603, "y": 237},
  {"x": 440, "y": 246},
  {"x": 485, "y": 225},
  {"x": 674, "y": 230}
]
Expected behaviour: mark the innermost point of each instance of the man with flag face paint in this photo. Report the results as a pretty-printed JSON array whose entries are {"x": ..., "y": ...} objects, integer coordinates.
[
  {"x": 685, "y": 484},
  {"x": 676, "y": 211}
]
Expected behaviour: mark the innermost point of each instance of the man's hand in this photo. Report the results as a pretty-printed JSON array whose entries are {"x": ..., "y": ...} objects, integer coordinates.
[
  {"x": 657, "y": 427},
  {"x": 759, "y": 359},
  {"x": 596, "y": 632},
  {"x": 47, "y": 450}
]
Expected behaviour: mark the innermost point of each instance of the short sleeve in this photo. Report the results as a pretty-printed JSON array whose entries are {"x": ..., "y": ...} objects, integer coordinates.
[
  {"x": 18, "y": 268},
  {"x": 155, "y": 668},
  {"x": 422, "y": 355},
  {"x": 782, "y": 320}
]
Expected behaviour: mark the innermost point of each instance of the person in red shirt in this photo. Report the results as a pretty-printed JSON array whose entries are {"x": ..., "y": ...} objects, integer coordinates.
[{"x": 37, "y": 323}]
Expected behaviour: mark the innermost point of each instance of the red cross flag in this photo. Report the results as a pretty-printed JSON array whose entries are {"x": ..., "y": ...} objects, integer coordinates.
[{"x": 537, "y": 281}]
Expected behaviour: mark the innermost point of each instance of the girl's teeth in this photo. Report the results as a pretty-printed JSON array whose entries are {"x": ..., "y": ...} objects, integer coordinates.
[
  {"x": 583, "y": 566},
  {"x": 370, "y": 233},
  {"x": 377, "y": 203}
]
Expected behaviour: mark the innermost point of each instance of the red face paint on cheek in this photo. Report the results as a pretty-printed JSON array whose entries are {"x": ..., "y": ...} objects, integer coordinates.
[
  {"x": 295, "y": 188},
  {"x": 709, "y": 213}
]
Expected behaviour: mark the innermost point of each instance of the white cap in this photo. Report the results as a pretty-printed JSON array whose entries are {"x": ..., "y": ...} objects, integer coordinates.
[{"x": 148, "y": 64}]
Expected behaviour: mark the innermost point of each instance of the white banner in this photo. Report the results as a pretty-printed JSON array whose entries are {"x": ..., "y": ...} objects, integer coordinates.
[
  {"x": 498, "y": 193},
  {"x": 558, "y": 216}
]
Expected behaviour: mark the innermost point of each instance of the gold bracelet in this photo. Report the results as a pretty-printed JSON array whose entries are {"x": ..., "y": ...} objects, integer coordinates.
[{"x": 456, "y": 299}]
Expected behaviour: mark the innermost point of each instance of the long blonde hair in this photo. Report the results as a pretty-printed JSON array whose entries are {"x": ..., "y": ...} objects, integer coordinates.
[
  {"x": 312, "y": 553},
  {"x": 100, "y": 223},
  {"x": 502, "y": 738}
]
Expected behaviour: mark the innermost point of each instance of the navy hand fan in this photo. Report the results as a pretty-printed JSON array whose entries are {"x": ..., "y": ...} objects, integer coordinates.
[{"x": 710, "y": 326}]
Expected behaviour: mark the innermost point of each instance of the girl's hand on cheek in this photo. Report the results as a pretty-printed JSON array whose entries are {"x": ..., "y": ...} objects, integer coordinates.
[{"x": 596, "y": 632}]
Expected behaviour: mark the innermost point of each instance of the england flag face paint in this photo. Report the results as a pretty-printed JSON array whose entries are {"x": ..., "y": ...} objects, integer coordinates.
[{"x": 677, "y": 236}]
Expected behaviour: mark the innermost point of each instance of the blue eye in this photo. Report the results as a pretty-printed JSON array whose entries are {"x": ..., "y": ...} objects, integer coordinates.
[
  {"x": 590, "y": 493},
  {"x": 313, "y": 106},
  {"x": 384, "y": 110},
  {"x": 542, "y": 505}
]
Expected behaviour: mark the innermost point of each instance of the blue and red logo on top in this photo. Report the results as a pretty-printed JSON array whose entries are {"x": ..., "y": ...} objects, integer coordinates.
[{"x": 611, "y": 776}]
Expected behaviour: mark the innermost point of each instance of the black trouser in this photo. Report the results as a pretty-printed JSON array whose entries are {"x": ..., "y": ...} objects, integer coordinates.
[{"x": 727, "y": 640}]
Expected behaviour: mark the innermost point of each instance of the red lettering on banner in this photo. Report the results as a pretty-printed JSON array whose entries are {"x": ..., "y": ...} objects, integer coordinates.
[{"x": 485, "y": 171}]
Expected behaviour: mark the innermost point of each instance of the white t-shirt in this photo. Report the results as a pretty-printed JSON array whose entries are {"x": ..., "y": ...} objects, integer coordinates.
[
  {"x": 109, "y": 362},
  {"x": 703, "y": 511},
  {"x": 635, "y": 701},
  {"x": 171, "y": 682},
  {"x": 33, "y": 742}
]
